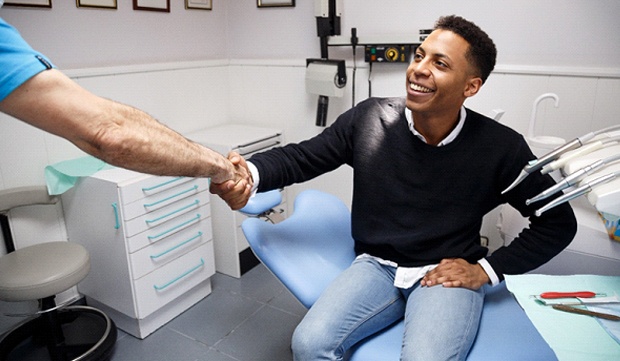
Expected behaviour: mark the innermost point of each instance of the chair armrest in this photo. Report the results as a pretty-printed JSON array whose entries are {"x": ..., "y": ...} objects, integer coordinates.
[{"x": 262, "y": 202}]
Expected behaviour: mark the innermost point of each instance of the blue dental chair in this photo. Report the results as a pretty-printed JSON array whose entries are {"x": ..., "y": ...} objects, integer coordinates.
[{"x": 307, "y": 250}]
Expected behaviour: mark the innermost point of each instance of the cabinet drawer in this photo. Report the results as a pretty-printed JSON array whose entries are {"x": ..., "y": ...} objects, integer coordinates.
[
  {"x": 148, "y": 186},
  {"x": 174, "y": 279},
  {"x": 166, "y": 215},
  {"x": 168, "y": 229},
  {"x": 165, "y": 197},
  {"x": 150, "y": 258}
]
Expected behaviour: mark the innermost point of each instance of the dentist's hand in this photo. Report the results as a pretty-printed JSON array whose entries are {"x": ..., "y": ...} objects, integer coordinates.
[
  {"x": 235, "y": 192},
  {"x": 456, "y": 272}
]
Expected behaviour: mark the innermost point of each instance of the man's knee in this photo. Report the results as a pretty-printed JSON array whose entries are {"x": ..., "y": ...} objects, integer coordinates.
[
  {"x": 311, "y": 342},
  {"x": 299, "y": 344}
]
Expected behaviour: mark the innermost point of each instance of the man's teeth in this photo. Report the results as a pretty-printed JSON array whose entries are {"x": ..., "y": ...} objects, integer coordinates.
[{"x": 420, "y": 88}]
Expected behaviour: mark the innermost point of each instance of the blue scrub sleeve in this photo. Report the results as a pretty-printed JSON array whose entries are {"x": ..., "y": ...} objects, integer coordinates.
[{"x": 18, "y": 61}]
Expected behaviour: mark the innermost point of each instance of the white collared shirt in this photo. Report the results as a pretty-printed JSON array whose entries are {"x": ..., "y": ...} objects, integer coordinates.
[{"x": 453, "y": 134}]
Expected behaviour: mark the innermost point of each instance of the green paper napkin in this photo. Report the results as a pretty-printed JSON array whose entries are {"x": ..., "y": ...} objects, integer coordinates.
[{"x": 60, "y": 177}]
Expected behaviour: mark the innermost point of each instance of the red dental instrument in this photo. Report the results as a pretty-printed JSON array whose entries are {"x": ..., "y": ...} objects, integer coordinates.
[{"x": 578, "y": 294}]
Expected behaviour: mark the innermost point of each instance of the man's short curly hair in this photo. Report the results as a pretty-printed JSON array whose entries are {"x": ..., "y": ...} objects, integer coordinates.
[{"x": 482, "y": 51}]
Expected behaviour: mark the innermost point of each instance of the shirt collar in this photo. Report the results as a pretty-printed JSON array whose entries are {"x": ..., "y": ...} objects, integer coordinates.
[{"x": 447, "y": 140}]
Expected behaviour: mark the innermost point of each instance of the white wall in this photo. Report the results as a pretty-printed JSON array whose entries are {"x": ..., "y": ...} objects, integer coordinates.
[
  {"x": 583, "y": 33},
  {"x": 532, "y": 32},
  {"x": 85, "y": 37}
]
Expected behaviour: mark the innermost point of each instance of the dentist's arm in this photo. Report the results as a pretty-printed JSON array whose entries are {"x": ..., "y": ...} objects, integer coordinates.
[{"x": 118, "y": 134}]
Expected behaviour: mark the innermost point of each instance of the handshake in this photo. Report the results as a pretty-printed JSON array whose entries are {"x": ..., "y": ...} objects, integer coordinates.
[{"x": 237, "y": 189}]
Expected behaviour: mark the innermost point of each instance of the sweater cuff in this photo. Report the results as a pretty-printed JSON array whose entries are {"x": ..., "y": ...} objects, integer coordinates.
[{"x": 490, "y": 271}]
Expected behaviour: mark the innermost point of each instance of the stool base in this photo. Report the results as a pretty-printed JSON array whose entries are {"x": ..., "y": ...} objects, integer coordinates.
[{"x": 88, "y": 333}]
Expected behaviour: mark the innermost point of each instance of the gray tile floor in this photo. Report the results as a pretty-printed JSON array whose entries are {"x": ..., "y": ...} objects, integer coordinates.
[{"x": 246, "y": 319}]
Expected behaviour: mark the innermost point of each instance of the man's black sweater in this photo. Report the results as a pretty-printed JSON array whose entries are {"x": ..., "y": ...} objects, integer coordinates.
[{"x": 416, "y": 204}]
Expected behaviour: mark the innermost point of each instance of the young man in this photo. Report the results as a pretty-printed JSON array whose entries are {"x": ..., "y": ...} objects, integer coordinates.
[
  {"x": 426, "y": 170},
  {"x": 32, "y": 90}
]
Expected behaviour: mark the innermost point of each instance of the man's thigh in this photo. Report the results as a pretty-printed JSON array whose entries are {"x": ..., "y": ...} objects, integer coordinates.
[
  {"x": 361, "y": 301},
  {"x": 441, "y": 323}
]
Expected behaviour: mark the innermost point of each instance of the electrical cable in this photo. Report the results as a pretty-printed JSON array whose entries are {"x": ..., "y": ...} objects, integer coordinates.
[
  {"x": 369, "y": 80},
  {"x": 354, "y": 41}
]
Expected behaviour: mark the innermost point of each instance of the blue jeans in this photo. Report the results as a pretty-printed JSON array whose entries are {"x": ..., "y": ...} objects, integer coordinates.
[{"x": 440, "y": 323}]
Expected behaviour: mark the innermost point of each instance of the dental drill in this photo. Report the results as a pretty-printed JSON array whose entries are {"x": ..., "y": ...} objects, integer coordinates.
[
  {"x": 581, "y": 190},
  {"x": 539, "y": 163},
  {"x": 586, "y": 149},
  {"x": 573, "y": 178}
]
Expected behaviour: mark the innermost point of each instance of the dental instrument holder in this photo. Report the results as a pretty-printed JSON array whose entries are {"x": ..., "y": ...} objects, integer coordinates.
[
  {"x": 566, "y": 182},
  {"x": 579, "y": 191},
  {"x": 537, "y": 164},
  {"x": 593, "y": 184}
]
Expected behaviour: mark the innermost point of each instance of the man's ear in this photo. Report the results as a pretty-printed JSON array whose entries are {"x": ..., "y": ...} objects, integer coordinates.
[{"x": 473, "y": 86}]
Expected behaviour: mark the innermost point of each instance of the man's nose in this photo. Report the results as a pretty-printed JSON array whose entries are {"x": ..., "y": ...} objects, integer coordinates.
[
  {"x": 423, "y": 67},
  {"x": 420, "y": 67}
]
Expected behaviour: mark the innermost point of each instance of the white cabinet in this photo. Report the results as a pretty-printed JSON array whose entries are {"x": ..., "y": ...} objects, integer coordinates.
[
  {"x": 232, "y": 253},
  {"x": 150, "y": 243}
]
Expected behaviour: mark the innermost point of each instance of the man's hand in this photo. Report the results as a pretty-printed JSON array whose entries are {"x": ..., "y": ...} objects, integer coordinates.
[
  {"x": 241, "y": 169},
  {"x": 235, "y": 192},
  {"x": 456, "y": 272}
]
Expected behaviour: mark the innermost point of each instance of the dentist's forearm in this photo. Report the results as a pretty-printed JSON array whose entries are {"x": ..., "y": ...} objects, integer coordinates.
[{"x": 116, "y": 133}]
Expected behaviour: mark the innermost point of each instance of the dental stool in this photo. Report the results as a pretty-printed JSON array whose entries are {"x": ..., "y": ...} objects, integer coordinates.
[
  {"x": 310, "y": 248},
  {"x": 39, "y": 272}
]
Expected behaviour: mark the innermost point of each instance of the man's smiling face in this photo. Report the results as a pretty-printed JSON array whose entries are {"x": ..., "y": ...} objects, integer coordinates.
[{"x": 439, "y": 76}]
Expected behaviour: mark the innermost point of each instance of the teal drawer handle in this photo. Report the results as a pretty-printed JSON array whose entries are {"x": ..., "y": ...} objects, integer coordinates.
[
  {"x": 117, "y": 224},
  {"x": 146, "y": 189},
  {"x": 178, "y": 278},
  {"x": 194, "y": 203},
  {"x": 196, "y": 218},
  {"x": 156, "y": 256},
  {"x": 146, "y": 205}
]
